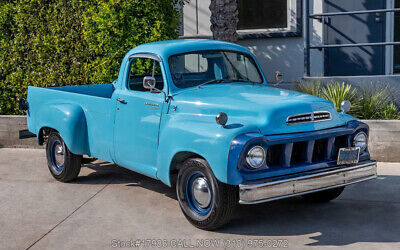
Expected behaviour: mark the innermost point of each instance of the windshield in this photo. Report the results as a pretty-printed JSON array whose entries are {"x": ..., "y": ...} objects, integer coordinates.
[{"x": 212, "y": 67}]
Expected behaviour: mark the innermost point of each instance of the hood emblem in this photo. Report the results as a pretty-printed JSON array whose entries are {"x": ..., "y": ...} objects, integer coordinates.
[{"x": 316, "y": 116}]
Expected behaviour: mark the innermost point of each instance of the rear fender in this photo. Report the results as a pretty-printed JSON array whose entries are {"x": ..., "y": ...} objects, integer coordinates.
[{"x": 70, "y": 121}]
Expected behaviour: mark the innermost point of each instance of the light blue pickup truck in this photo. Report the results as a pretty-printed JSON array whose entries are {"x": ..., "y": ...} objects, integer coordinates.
[{"x": 199, "y": 115}]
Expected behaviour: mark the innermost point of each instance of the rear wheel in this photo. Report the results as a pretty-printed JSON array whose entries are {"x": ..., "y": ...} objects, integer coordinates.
[
  {"x": 206, "y": 202},
  {"x": 324, "y": 196},
  {"x": 64, "y": 166}
]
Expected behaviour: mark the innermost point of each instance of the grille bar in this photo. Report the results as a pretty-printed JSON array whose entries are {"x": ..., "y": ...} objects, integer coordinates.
[
  {"x": 329, "y": 148},
  {"x": 309, "y": 150},
  {"x": 286, "y": 154},
  {"x": 316, "y": 116}
]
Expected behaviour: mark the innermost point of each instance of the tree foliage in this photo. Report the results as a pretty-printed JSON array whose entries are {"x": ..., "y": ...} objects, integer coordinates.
[{"x": 73, "y": 42}]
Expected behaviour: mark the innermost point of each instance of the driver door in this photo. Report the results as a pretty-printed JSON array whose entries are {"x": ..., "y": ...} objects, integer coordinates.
[{"x": 138, "y": 116}]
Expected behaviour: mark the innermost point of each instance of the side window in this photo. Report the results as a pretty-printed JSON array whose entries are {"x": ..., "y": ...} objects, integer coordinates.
[{"x": 141, "y": 67}]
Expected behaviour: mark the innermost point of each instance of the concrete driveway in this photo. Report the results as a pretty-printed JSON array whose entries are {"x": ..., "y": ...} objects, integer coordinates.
[{"x": 110, "y": 207}]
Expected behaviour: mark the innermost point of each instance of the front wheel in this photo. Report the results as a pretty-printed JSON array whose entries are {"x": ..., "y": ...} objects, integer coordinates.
[
  {"x": 64, "y": 166},
  {"x": 206, "y": 202}
]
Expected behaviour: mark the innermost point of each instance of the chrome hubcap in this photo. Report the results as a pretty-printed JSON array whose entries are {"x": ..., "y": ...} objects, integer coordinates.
[
  {"x": 201, "y": 192},
  {"x": 59, "y": 154}
]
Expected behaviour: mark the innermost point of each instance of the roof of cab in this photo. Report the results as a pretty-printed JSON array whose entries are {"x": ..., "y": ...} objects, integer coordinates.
[{"x": 171, "y": 47}]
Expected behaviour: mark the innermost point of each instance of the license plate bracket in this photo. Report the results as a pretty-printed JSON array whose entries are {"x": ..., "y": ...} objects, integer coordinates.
[{"x": 348, "y": 156}]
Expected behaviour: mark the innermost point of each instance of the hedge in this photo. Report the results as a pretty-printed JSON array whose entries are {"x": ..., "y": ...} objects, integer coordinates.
[{"x": 73, "y": 42}]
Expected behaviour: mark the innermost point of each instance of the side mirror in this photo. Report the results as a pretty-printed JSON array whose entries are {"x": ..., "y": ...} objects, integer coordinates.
[{"x": 149, "y": 82}]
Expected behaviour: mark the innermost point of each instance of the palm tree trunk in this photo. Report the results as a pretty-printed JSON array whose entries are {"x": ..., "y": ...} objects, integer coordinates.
[{"x": 224, "y": 20}]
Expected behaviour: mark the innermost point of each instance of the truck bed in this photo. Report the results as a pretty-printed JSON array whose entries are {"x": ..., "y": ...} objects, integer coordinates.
[{"x": 95, "y": 102}]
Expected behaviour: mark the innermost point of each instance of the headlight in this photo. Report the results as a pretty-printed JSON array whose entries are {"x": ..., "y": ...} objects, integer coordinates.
[
  {"x": 360, "y": 140},
  {"x": 256, "y": 157}
]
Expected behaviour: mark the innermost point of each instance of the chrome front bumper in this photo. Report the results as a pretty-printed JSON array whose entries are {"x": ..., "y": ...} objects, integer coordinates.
[{"x": 263, "y": 191}]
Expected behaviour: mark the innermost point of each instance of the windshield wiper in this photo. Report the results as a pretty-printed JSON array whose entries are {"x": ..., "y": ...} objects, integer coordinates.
[
  {"x": 211, "y": 81},
  {"x": 222, "y": 80}
]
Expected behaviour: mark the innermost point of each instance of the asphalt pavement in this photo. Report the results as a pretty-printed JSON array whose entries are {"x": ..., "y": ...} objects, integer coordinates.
[{"x": 109, "y": 207}]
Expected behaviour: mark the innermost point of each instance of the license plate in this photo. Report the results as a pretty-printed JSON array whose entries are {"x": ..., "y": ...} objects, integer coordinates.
[{"x": 348, "y": 156}]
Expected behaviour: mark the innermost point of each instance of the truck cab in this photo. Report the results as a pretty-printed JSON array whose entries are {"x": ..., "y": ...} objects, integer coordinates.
[{"x": 199, "y": 115}]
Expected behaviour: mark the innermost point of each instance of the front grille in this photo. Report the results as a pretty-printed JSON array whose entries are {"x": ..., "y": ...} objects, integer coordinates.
[
  {"x": 306, "y": 152},
  {"x": 316, "y": 116}
]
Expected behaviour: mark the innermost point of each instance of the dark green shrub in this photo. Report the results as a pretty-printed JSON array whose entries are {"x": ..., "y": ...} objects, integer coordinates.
[
  {"x": 333, "y": 91},
  {"x": 376, "y": 103},
  {"x": 73, "y": 42},
  {"x": 390, "y": 112},
  {"x": 337, "y": 93},
  {"x": 369, "y": 102},
  {"x": 310, "y": 87}
]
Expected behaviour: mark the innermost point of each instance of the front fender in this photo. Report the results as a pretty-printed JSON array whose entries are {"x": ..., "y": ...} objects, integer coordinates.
[
  {"x": 69, "y": 120},
  {"x": 200, "y": 135}
]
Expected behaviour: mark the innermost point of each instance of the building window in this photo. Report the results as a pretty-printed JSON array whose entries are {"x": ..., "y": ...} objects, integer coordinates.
[
  {"x": 262, "y": 14},
  {"x": 269, "y": 18},
  {"x": 396, "y": 54}
]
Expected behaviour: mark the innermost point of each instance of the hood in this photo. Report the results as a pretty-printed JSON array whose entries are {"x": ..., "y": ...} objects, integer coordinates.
[{"x": 258, "y": 105}]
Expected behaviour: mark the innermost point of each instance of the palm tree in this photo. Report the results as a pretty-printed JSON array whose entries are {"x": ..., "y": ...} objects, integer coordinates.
[{"x": 224, "y": 20}]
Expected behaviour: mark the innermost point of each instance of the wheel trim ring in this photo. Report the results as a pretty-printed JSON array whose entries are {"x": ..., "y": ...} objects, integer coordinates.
[
  {"x": 193, "y": 204},
  {"x": 56, "y": 167}
]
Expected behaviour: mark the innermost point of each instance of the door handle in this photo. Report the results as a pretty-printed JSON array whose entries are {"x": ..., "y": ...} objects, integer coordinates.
[{"x": 121, "y": 101}]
